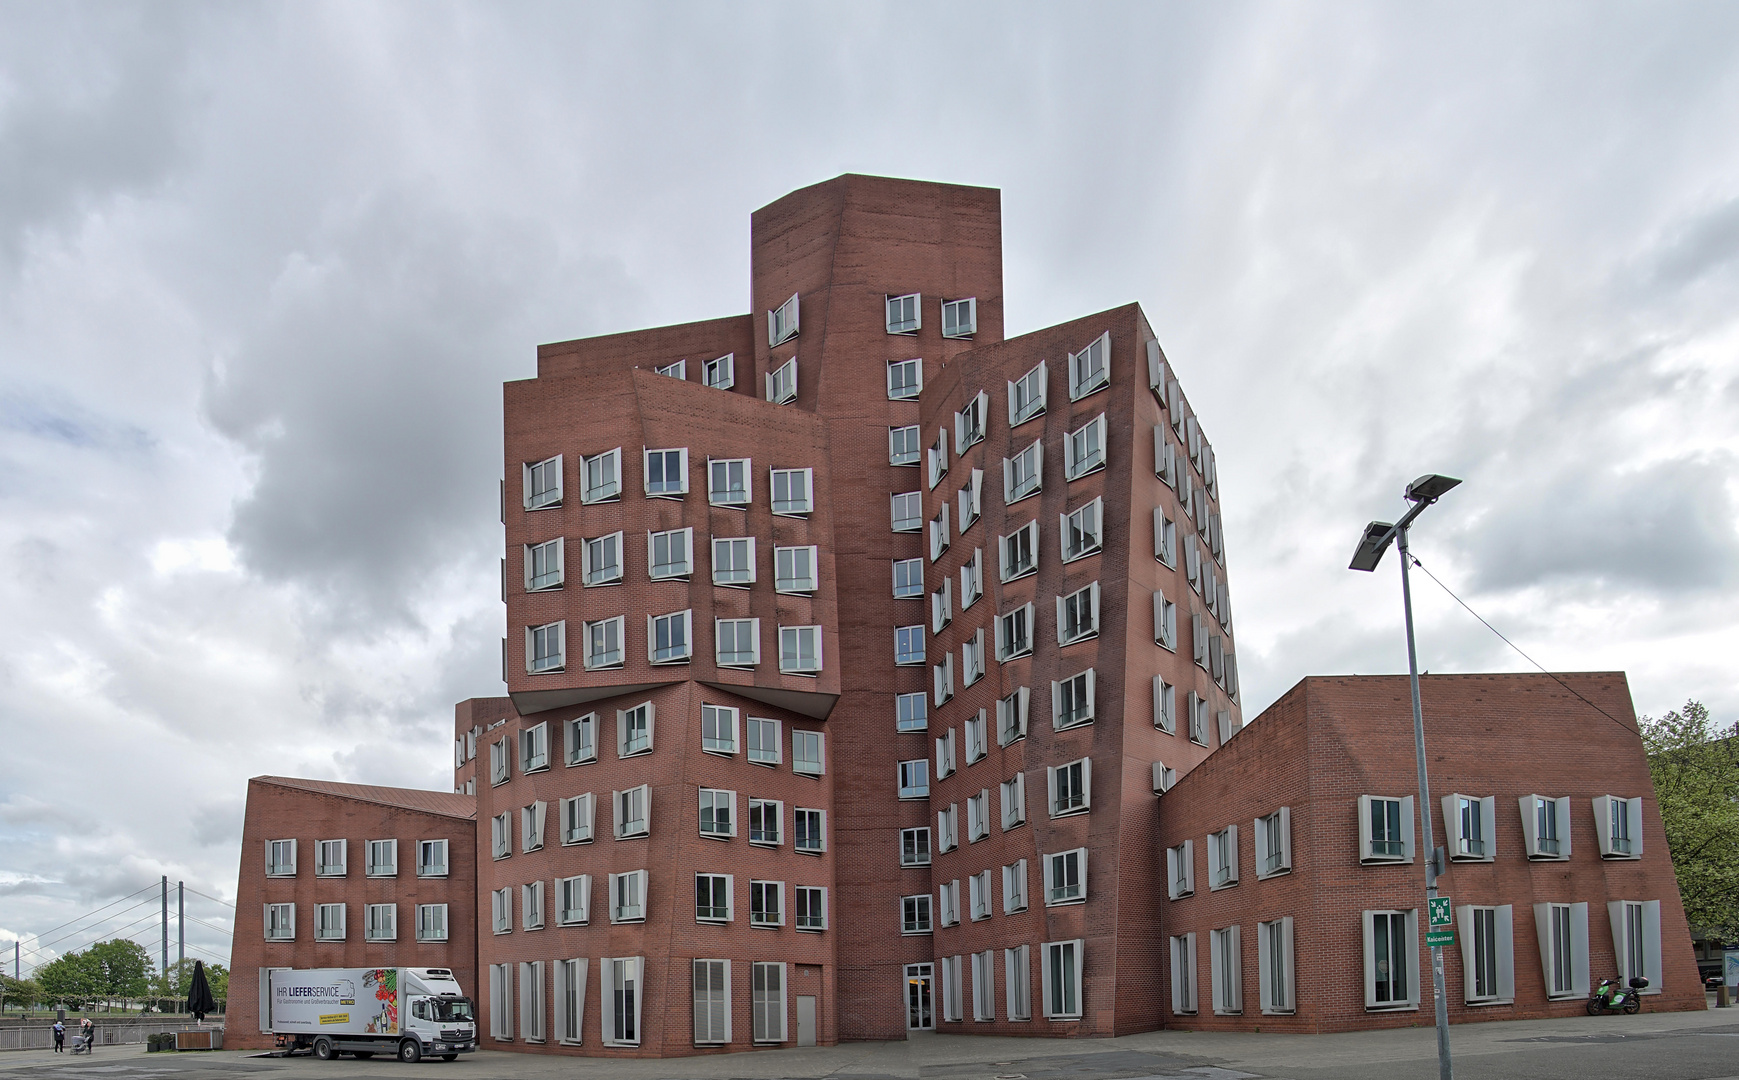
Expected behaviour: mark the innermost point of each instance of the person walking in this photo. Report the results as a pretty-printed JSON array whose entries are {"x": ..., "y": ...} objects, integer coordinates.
[
  {"x": 88, "y": 1029},
  {"x": 59, "y": 1037}
]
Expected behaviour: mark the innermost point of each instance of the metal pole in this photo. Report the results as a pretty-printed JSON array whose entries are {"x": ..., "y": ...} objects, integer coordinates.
[
  {"x": 165, "y": 923},
  {"x": 1445, "y": 1070},
  {"x": 181, "y": 930}
]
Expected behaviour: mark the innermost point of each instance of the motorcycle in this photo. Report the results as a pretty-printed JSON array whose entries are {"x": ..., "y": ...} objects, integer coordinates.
[{"x": 1610, "y": 996}]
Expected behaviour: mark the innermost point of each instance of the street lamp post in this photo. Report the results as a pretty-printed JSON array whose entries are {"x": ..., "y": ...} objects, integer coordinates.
[{"x": 1378, "y": 534}]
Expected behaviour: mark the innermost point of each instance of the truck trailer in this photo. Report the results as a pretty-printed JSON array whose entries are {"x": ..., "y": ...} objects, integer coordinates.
[{"x": 408, "y": 1012}]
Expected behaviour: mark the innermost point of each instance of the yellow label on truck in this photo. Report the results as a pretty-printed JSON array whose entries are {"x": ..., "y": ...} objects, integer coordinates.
[{"x": 335, "y": 1018}]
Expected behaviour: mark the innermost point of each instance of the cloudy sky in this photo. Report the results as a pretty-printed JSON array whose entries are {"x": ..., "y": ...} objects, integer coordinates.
[{"x": 263, "y": 269}]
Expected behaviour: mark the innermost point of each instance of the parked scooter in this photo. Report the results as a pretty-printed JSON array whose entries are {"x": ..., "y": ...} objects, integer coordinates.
[{"x": 1609, "y": 996}]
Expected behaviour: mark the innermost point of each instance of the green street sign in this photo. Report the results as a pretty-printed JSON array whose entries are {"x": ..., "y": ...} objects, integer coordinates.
[
  {"x": 1440, "y": 937},
  {"x": 1440, "y": 913}
]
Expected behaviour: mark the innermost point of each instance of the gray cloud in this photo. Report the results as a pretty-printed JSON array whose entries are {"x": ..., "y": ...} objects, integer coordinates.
[{"x": 1707, "y": 243}]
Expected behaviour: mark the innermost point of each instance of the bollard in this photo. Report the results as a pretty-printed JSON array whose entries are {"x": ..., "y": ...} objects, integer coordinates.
[{"x": 1723, "y": 997}]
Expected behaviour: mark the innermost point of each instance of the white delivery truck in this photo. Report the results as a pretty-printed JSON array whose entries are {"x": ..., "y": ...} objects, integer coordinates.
[{"x": 410, "y": 1012}]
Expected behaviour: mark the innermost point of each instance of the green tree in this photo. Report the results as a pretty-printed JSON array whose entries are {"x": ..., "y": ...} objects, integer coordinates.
[
  {"x": 1695, "y": 768},
  {"x": 126, "y": 969},
  {"x": 18, "y": 993},
  {"x": 218, "y": 976},
  {"x": 71, "y": 979}
]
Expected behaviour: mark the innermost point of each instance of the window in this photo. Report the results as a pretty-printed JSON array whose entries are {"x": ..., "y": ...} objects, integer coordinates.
[
  {"x": 1226, "y": 972},
  {"x": 1390, "y": 946},
  {"x": 807, "y": 757},
  {"x": 972, "y": 658},
  {"x": 945, "y": 755},
  {"x": 501, "y": 834},
  {"x": 670, "y": 554},
  {"x": 431, "y": 858},
  {"x": 908, "y": 512},
  {"x": 546, "y": 647},
  {"x": 603, "y": 477},
  {"x": 620, "y": 1000},
  {"x": 971, "y": 499},
  {"x": 1023, "y": 474},
  {"x": 604, "y": 643},
  {"x": 1546, "y": 827},
  {"x": 1026, "y": 396},
  {"x": 666, "y": 473},
  {"x": 720, "y": 374},
  {"x": 1090, "y": 369},
  {"x": 1014, "y": 887},
  {"x": 329, "y": 858},
  {"x": 903, "y": 445},
  {"x": 972, "y": 579},
  {"x": 911, "y": 712},
  {"x": 782, "y": 383},
  {"x": 1636, "y": 941},
  {"x": 632, "y": 811},
  {"x": 793, "y": 492},
  {"x": 531, "y": 906},
  {"x": 678, "y": 370},
  {"x": 1082, "y": 534},
  {"x": 500, "y": 763},
  {"x": 1065, "y": 877},
  {"x": 915, "y": 914},
  {"x": 948, "y": 828},
  {"x": 948, "y": 903},
  {"x": 712, "y": 1002},
  {"x": 1062, "y": 979},
  {"x": 1197, "y": 708},
  {"x": 1164, "y": 705},
  {"x": 765, "y": 819},
  {"x": 577, "y": 818},
  {"x": 915, "y": 779},
  {"x": 794, "y": 569},
  {"x": 531, "y": 822},
  {"x": 1164, "y": 539},
  {"x": 762, "y": 740},
  {"x": 501, "y": 1001},
  {"x": 1618, "y": 824},
  {"x": 978, "y": 895},
  {"x": 1562, "y": 931},
  {"x": 915, "y": 847},
  {"x": 1078, "y": 615},
  {"x": 1072, "y": 701},
  {"x": 600, "y": 560},
  {"x": 628, "y": 897},
  {"x": 383, "y": 858},
  {"x": 534, "y": 748},
  {"x": 718, "y": 813},
  {"x": 905, "y": 379},
  {"x": 1180, "y": 870},
  {"x": 1164, "y": 622},
  {"x": 1223, "y": 858},
  {"x": 1014, "y": 634},
  {"x": 718, "y": 729},
  {"x": 1013, "y": 792},
  {"x": 1011, "y": 716},
  {"x": 960, "y": 318},
  {"x": 977, "y": 745},
  {"x": 800, "y": 649},
  {"x": 328, "y": 922},
  {"x": 1084, "y": 452},
  {"x": 766, "y": 903},
  {"x": 575, "y": 895},
  {"x": 543, "y": 565},
  {"x": 943, "y": 677},
  {"x": 570, "y": 984},
  {"x": 542, "y": 483},
  {"x": 978, "y": 816},
  {"x": 634, "y": 728},
  {"x": 582, "y": 742},
  {"x": 939, "y": 535},
  {"x": 808, "y": 831},
  {"x": 1488, "y": 963},
  {"x": 905, "y": 313},
  {"x": 1164, "y": 458},
  {"x": 969, "y": 422},
  {"x": 1071, "y": 787},
  {"x": 908, "y": 579},
  {"x": 431, "y": 922},
  {"x": 1385, "y": 829},
  {"x": 1274, "y": 843},
  {"x": 782, "y": 322},
  {"x": 501, "y": 910},
  {"x": 280, "y": 922},
  {"x": 737, "y": 642},
  {"x": 1020, "y": 552},
  {"x": 733, "y": 561},
  {"x": 1183, "y": 974},
  {"x": 712, "y": 898},
  {"x": 1472, "y": 825},
  {"x": 728, "y": 481},
  {"x": 767, "y": 1001}
]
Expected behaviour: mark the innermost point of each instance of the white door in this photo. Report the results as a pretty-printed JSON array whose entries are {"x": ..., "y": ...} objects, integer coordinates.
[
  {"x": 918, "y": 981},
  {"x": 805, "y": 1020}
]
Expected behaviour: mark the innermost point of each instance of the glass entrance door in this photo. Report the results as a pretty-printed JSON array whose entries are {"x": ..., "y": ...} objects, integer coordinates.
[{"x": 918, "y": 982}]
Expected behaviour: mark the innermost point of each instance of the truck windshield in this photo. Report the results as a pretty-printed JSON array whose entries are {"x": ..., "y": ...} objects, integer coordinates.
[{"x": 452, "y": 1010}]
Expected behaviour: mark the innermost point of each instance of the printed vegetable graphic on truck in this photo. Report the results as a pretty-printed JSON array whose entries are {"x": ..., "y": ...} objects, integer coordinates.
[{"x": 385, "y": 984}]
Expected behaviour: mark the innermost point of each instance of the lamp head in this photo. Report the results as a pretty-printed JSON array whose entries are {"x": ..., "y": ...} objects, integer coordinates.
[
  {"x": 1430, "y": 487},
  {"x": 1378, "y": 535}
]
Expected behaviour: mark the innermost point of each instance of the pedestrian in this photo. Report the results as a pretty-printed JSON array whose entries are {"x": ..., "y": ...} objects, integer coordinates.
[
  {"x": 88, "y": 1029},
  {"x": 59, "y": 1037}
]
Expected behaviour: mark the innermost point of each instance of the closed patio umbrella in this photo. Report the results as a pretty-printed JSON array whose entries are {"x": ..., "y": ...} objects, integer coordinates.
[{"x": 199, "y": 999}]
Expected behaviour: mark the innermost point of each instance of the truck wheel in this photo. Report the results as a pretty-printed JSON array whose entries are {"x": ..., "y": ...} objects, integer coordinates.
[
  {"x": 410, "y": 1051},
  {"x": 323, "y": 1049}
]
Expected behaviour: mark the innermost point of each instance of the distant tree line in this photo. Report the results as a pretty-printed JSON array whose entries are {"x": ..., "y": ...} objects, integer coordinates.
[{"x": 111, "y": 972}]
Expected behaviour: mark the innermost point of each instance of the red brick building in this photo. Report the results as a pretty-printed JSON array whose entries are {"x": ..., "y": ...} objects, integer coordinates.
[{"x": 881, "y": 635}]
